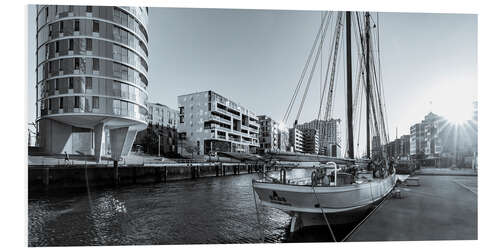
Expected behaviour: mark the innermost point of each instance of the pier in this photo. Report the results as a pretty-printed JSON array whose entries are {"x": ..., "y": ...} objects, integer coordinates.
[
  {"x": 48, "y": 177},
  {"x": 442, "y": 207}
]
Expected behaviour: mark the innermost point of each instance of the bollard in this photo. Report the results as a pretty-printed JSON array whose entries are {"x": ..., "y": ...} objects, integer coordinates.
[
  {"x": 166, "y": 173},
  {"x": 116, "y": 176},
  {"x": 46, "y": 179},
  {"x": 193, "y": 174}
]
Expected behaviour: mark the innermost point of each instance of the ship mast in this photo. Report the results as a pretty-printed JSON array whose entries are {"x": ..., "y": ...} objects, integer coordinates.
[
  {"x": 350, "y": 137},
  {"x": 367, "y": 65}
]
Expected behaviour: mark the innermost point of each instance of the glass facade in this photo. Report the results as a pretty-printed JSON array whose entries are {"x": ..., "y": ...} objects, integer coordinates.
[{"x": 92, "y": 59}]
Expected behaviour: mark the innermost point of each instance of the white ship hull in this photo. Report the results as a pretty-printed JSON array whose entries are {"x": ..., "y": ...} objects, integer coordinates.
[{"x": 307, "y": 205}]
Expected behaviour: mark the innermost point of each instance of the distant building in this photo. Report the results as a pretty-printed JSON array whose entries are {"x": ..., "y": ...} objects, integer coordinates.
[
  {"x": 417, "y": 139},
  {"x": 271, "y": 137},
  {"x": 160, "y": 114},
  {"x": 328, "y": 133},
  {"x": 284, "y": 140},
  {"x": 296, "y": 140},
  {"x": 214, "y": 123},
  {"x": 310, "y": 141},
  {"x": 404, "y": 146},
  {"x": 148, "y": 140},
  {"x": 432, "y": 124},
  {"x": 268, "y": 134},
  {"x": 162, "y": 123}
]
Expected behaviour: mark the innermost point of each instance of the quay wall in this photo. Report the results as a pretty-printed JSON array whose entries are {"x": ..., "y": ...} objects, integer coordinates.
[{"x": 81, "y": 176}]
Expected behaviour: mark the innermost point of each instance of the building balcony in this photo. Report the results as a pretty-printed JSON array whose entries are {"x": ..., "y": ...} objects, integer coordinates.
[{"x": 219, "y": 119}]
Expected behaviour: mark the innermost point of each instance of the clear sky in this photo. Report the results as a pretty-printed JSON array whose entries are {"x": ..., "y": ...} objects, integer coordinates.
[{"x": 255, "y": 57}]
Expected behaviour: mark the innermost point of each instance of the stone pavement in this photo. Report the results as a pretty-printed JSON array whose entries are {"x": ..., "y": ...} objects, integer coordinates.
[{"x": 441, "y": 208}]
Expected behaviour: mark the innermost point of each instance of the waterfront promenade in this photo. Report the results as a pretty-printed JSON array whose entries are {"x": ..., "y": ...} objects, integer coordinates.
[{"x": 442, "y": 207}]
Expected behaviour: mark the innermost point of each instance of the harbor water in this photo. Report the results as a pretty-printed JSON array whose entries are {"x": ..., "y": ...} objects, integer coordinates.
[{"x": 207, "y": 210}]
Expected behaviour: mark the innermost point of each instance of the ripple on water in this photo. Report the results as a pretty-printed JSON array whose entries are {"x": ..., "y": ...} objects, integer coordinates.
[{"x": 208, "y": 210}]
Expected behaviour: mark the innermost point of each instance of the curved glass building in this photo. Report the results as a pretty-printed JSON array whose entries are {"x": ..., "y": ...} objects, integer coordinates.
[{"x": 92, "y": 78}]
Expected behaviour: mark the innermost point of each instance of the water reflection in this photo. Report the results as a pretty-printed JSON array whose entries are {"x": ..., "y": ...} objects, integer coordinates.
[{"x": 209, "y": 210}]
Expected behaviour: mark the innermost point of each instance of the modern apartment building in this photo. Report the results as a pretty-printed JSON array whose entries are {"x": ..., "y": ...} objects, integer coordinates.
[
  {"x": 92, "y": 78},
  {"x": 268, "y": 134},
  {"x": 425, "y": 136},
  {"x": 296, "y": 140},
  {"x": 284, "y": 140},
  {"x": 271, "y": 136},
  {"x": 433, "y": 124},
  {"x": 163, "y": 115},
  {"x": 404, "y": 146},
  {"x": 417, "y": 139},
  {"x": 214, "y": 123},
  {"x": 329, "y": 135},
  {"x": 310, "y": 141}
]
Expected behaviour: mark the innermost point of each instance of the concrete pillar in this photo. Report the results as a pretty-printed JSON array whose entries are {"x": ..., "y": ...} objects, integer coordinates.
[
  {"x": 99, "y": 141},
  {"x": 129, "y": 141},
  {"x": 121, "y": 140}
]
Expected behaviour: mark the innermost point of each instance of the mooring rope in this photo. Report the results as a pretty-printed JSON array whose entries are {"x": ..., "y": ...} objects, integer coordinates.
[
  {"x": 323, "y": 212},
  {"x": 364, "y": 219},
  {"x": 257, "y": 213}
]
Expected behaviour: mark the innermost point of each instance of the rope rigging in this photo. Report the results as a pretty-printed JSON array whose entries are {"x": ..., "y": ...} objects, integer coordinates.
[
  {"x": 376, "y": 109},
  {"x": 304, "y": 70},
  {"x": 338, "y": 32},
  {"x": 312, "y": 69}
]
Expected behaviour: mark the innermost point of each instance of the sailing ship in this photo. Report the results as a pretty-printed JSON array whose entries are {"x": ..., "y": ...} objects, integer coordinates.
[{"x": 333, "y": 192}]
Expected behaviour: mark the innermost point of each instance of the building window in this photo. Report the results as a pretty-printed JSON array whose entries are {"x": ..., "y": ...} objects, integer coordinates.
[
  {"x": 58, "y": 84},
  {"x": 61, "y": 102},
  {"x": 95, "y": 26},
  {"x": 50, "y": 30},
  {"x": 77, "y": 25},
  {"x": 71, "y": 44},
  {"x": 95, "y": 102},
  {"x": 61, "y": 65},
  {"x": 77, "y": 63},
  {"x": 57, "y": 46},
  {"x": 70, "y": 8},
  {"x": 61, "y": 27},
  {"x": 88, "y": 83},
  {"x": 89, "y": 8},
  {"x": 89, "y": 44},
  {"x": 77, "y": 101},
  {"x": 95, "y": 64},
  {"x": 70, "y": 83}
]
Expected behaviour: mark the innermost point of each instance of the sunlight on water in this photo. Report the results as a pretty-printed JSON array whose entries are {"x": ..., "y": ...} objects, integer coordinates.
[{"x": 208, "y": 210}]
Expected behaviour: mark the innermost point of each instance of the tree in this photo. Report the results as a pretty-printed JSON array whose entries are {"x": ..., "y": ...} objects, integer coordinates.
[{"x": 189, "y": 146}]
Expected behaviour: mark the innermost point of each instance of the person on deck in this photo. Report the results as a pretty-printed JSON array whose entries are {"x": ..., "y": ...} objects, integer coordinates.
[{"x": 326, "y": 180}]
